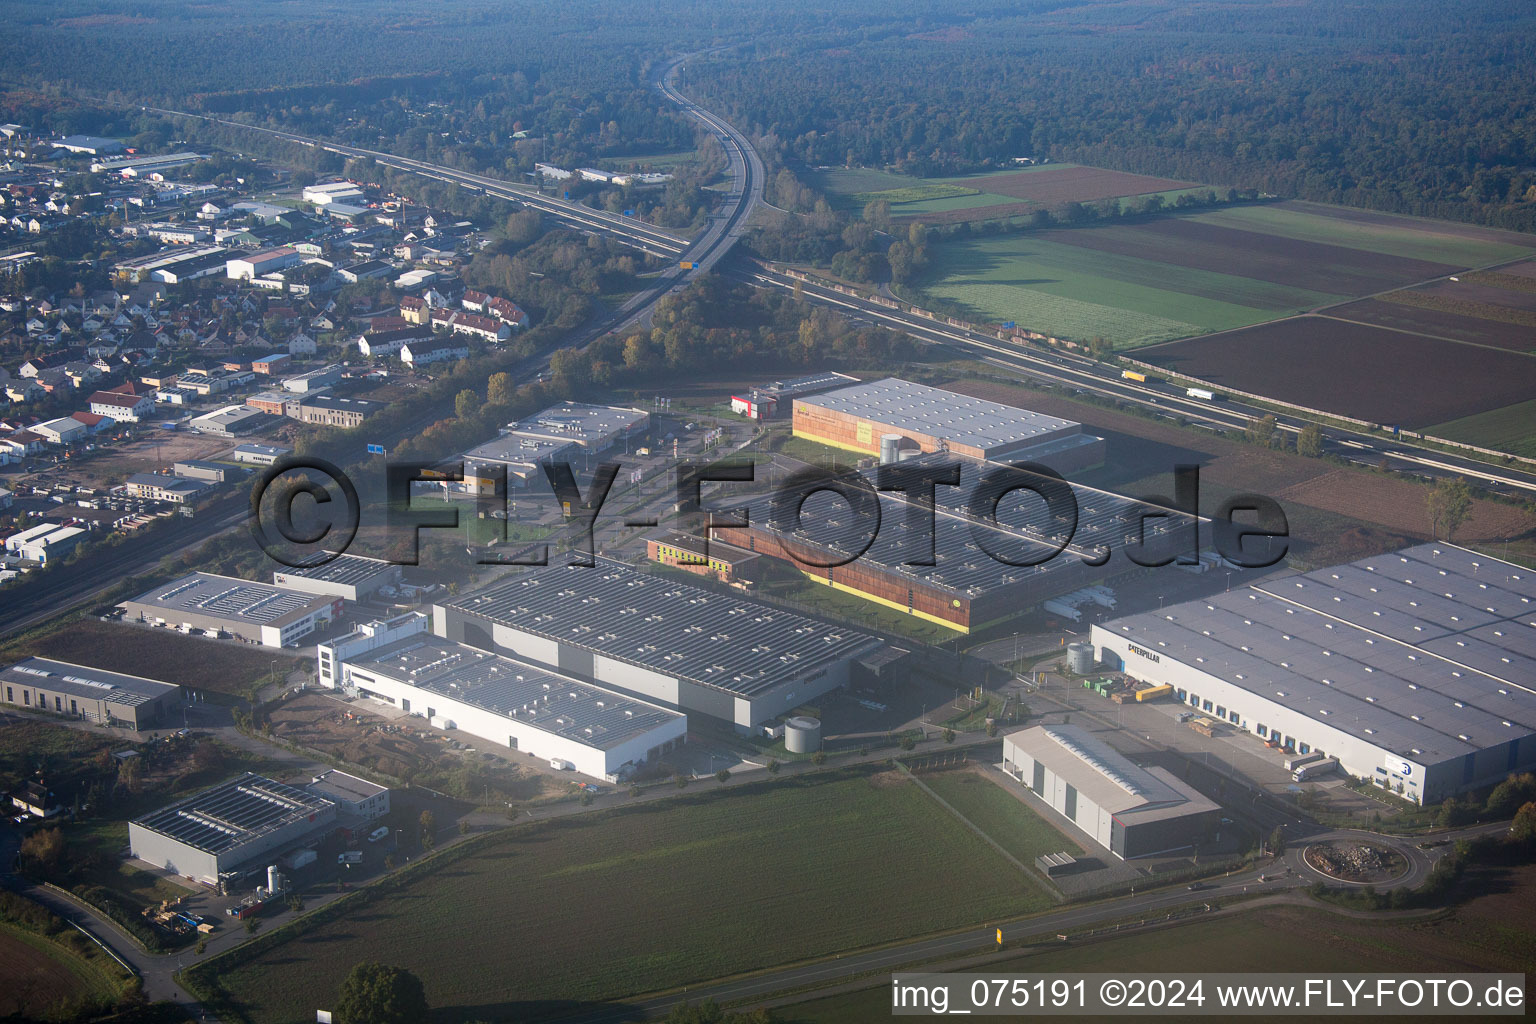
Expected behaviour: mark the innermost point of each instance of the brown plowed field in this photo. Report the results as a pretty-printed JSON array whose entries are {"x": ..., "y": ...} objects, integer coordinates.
[
  {"x": 1073, "y": 185},
  {"x": 1439, "y": 323},
  {"x": 1332, "y": 269},
  {"x": 1468, "y": 291},
  {"x": 1371, "y": 373}
]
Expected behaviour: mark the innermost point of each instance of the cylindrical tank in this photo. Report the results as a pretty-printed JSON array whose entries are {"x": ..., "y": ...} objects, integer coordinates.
[
  {"x": 908, "y": 453},
  {"x": 1080, "y": 658},
  {"x": 274, "y": 879},
  {"x": 802, "y": 735},
  {"x": 890, "y": 448}
]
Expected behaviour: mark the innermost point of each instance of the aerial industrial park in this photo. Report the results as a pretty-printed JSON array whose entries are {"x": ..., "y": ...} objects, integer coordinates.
[{"x": 757, "y": 548}]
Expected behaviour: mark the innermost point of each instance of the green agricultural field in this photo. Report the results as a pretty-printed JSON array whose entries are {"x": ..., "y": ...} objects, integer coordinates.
[
  {"x": 1413, "y": 237},
  {"x": 914, "y": 193},
  {"x": 1510, "y": 429},
  {"x": 655, "y": 896},
  {"x": 1079, "y": 293},
  {"x": 1001, "y": 815}
]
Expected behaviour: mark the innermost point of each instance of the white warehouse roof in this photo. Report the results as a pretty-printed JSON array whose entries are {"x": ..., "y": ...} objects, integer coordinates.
[{"x": 1429, "y": 652}]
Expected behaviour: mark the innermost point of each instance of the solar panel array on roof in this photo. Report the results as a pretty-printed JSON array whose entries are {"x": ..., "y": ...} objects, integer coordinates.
[
  {"x": 1025, "y": 530},
  {"x": 233, "y": 814},
  {"x": 1429, "y": 652},
  {"x": 90, "y": 683},
  {"x": 228, "y": 598},
  {"x": 717, "y": 641},
  {"x": 546, "y": 700},
  {"x": 345, "y": 569}
]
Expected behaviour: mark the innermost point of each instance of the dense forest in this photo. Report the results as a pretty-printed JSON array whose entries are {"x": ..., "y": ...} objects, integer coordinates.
[
  {"x": 1400, "y": 105},
  {"x": 1407, "y": 106}
]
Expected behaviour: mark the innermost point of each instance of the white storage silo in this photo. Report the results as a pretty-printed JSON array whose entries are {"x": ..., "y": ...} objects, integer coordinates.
[{"x": 802, "y": 735}]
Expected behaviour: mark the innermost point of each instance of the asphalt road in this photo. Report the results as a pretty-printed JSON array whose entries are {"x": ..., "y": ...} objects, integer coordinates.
[{"x": 1075, "y": 373}]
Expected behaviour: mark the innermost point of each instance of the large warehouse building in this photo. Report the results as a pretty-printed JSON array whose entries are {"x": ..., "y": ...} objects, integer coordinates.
[
  {"x": 1417, "y": 669},
  {"x": 350, "y": 577},
  {"x": 864, "y": 416},
  {"x": 90, "y": 694},
  {"x": 1129, "y": 810},
  {"x": 571, "y": 432},
  {"x": 967, "y": 588},
  {"x": 555, "y": 718},
  {"x": 664, "y": 641},
  {"x": 258, "y": 613},
  {"x": 221, "y": 833}
]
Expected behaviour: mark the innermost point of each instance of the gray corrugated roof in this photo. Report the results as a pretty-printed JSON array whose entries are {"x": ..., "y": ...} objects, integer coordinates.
[
  {"x": 717, "y": 641},
  {"x": 231, "y": 815},
  {"x": 90, "y": 683},
  {"x": 1025, "y": 530},
  {"x": 228, "y": 598},
  {"x": 1401, "y": 650},
  {"x": 960, "y": 419},
  {"x": 534, "y": 696}
]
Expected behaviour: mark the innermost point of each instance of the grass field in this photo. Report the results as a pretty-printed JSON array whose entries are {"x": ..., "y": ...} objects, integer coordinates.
[
  {"x": 1144, "y": 282},
  {"x": 993, "y": 195},
  {"x": 658, "y": 895},
  {"x": 1075, "y": 292},
  {"x": 914, "y": 193},
  {"x": 37, "y": 975},
  {"x": 1000, "y": 815},
  {"x": 1490, "y": 933},
  {"x": 1510, "y": 429},
  {"x": 1435, "y": 241},
  {"x": 160, "y": 654}
]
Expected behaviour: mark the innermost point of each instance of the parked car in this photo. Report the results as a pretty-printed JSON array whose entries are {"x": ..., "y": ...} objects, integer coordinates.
[{"x": 382, "y": 832}]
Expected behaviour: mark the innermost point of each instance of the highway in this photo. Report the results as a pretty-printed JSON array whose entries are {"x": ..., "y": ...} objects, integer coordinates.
[
  {"x": 725, "y": 228},
  {"x": 1170, "y": 401},
  {"x": 730, "y": 221}
]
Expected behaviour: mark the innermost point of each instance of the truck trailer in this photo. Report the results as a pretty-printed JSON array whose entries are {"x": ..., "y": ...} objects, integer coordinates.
[
  {"x": 1315, "y": 768},
  {"x": 1209, "y": 396},
  {"x": 1153, "y": 693},
  {"x": 1292, "y": 763},
  {"x": 1133, "y": 375}
]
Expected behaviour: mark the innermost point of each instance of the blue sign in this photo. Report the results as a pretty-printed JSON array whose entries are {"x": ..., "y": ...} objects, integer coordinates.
[
  {"x": 567, "y": 193},
  {"x": 377, "y": 449},
  {"x": 1010, "y": 324},
  {"x": 629, "y": 213}
]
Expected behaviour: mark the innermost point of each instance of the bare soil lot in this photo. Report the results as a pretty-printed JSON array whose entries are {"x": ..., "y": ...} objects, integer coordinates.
[
  {"x": 1074, "y": 184},
  {"x": 1374, "y": 374},
  {"x": 1439, "y": 323},
  {"x": 1397, "y": 504},
  {"x": 163, "y": 654},
  {"x": 1333, "y": 269}
]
